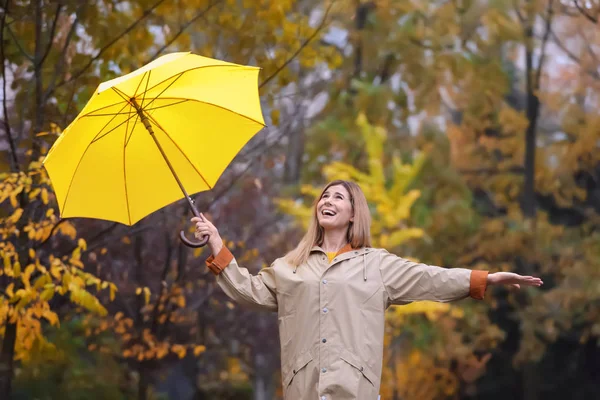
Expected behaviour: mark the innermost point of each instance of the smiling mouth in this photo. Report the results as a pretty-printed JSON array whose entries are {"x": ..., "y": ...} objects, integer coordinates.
[{"x": 328, "y": 213}]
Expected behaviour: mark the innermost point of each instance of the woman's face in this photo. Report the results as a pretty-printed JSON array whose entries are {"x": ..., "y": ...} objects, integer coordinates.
[{"x": 334, "y": 209}]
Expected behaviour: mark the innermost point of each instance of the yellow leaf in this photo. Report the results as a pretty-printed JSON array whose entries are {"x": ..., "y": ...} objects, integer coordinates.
[
  {"x": 9, "y": 290},
  {"x": 113, "y": 289},
  {"x": 138, "y": 291},
  {"x": 199, "y": 350},
  {"x": 51, "y": 317},
  {"x": 147, "y": 295},
  {"x": 81, "y": 243},
  {"x": 45, "y": 196},
  {"x": 47, "y": 294},
  {"x": 31, "y": 253},
  {"x": 179, "y": 350},
  {"x": 126, "y": 240},
  {"x": 17, "y": 269}
]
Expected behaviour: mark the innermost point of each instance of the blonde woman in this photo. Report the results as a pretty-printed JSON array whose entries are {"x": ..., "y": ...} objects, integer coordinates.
[{"x": 330, "y": 294}]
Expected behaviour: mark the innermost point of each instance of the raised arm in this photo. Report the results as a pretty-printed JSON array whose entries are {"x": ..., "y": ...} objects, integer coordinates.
[{"x": 256, "y": 291}]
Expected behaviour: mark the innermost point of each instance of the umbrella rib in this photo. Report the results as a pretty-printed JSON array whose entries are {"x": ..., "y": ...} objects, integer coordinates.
[
  {"x": 145, "y": 109},
  {"x": 105, "y": 125},
  {"x": 124, "y": 96},
  {"x": 140, "y": 83},
  {"x": 112, "y": 130},
  {"x": 180, "y": 150},
  {"x": 168, "y": 86},
  {"x": 137, "y": 117},
  {"x": 145, "y": 90},
  {"x": 125, "y": 141},
  {"x": 201, "y": 67},
  {"x": 91, "y": 113},
  {"x": 217, "y": 106}
]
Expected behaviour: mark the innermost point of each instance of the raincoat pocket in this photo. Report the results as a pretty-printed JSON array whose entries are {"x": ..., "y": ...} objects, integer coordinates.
[
  {"x": 355, "y": 362},
  {"x": 296, "y": 368}
]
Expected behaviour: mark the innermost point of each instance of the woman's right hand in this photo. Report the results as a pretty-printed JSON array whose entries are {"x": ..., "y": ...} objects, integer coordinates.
[{"x": 205, "y": 227}]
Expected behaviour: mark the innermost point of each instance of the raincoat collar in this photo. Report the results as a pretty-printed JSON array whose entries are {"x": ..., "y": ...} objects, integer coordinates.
[{"x": 343, "y": 250}]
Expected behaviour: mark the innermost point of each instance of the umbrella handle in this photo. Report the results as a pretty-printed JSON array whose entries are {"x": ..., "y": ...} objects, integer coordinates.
[
  {"x": 185, "y": 240},
  {"x": 192, "y": 243}
]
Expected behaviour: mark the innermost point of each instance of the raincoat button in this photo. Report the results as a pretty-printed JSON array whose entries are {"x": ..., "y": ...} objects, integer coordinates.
[
  {"x": 324, "y": 370},
  {"x": 323, "y": 398},
  {"x": 324, "y": 340},
  {"x": 324, "y": 281},
  {"x": 325, "y": 310},
  {"x": 362, "y": 369}
]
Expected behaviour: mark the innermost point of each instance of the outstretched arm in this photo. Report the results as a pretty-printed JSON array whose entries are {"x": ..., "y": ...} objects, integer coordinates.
[
  {"x": 406, "y": 281},
  {"x": 257, "y": 291}
]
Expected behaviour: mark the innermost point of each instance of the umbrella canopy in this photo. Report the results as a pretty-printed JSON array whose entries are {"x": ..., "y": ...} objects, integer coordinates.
[{"x": 199, "y": 112}]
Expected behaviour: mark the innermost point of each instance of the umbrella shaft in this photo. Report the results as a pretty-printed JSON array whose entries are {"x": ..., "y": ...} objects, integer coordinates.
[{"x": 146, "y": 122}]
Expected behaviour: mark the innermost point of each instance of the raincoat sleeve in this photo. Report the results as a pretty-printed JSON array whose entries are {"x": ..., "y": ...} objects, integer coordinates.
[
  {"x": 406, "y": 281},
  {"x": 255, "y": 291}
]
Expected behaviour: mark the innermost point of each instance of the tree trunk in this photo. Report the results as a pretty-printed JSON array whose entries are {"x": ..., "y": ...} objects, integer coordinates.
[
  {"x": 142, "y": 382},
  {"x": 293, "y": 160},
  {"x": 7, "y": 356},
  {"x": 533, "y": 106}
]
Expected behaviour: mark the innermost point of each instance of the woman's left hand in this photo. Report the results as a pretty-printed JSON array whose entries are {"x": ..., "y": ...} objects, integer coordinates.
[{"x": 512, "y": 279}]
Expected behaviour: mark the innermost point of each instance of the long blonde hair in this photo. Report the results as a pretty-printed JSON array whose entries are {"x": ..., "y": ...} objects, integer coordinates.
[{"x": 359, "y": 231}]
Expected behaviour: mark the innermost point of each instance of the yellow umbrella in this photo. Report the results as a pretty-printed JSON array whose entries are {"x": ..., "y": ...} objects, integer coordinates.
[{"x": 145, "y": 137}]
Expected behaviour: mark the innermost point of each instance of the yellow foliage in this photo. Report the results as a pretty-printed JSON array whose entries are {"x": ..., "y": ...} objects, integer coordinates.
[{"x": 24, "y": 303}]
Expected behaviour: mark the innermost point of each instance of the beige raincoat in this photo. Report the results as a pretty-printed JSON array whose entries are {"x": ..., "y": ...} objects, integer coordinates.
[{"x": 331, "y": 315}]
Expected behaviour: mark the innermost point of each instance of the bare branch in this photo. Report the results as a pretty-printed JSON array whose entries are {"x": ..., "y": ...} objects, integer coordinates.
[
  {"x": 518, "y": 12},
  {"x": 584, "y": 13},
  {"x": 109, "y": 44},
  {"x": 21, "y": 49},
  {"x": 304, "y": 44},
  {"x": 544, "y": 43},
  {"x": 52, "y": 33},
  {"x": 61, "y": 62},
  {"x": 14, "y": 161},
  {"x": 573, "y": 57},
  {"x": 517, "y": 169},
  {"x": 183, "y": 28}
]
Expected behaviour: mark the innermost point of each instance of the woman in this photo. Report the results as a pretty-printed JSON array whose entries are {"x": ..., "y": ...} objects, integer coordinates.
[{"x": 331, "y": 293}]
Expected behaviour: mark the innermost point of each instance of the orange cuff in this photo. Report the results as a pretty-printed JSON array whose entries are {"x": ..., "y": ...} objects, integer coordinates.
[
  {"x": 218, "y": 263},
  {"x": 478, "y": 284}
]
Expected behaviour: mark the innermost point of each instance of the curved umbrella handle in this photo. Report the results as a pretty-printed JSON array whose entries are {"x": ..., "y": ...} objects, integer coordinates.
[
  {"x": 192, "y": 243},
  {"x": 185, "y": 240}
]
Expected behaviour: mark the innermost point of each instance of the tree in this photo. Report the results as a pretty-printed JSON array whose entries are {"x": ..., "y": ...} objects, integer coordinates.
[{"x": 36, "y": 268}]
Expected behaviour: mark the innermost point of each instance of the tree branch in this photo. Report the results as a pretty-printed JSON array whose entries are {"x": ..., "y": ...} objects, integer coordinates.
[
  {"x": 52, "y": 33},
  {"x": 538, "y": 73},
  {"x": 21, "y": 49},
  {"x": 61, "y": 63},
  {"x": 183, "y": 28},
  {"x": 14, "y": 160},
  {"x": 304, "y": 44},
  {"x": 584, "y": 13},
  {"x": 573, "y": 57},
  {"x": 109, "y": 44}
]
